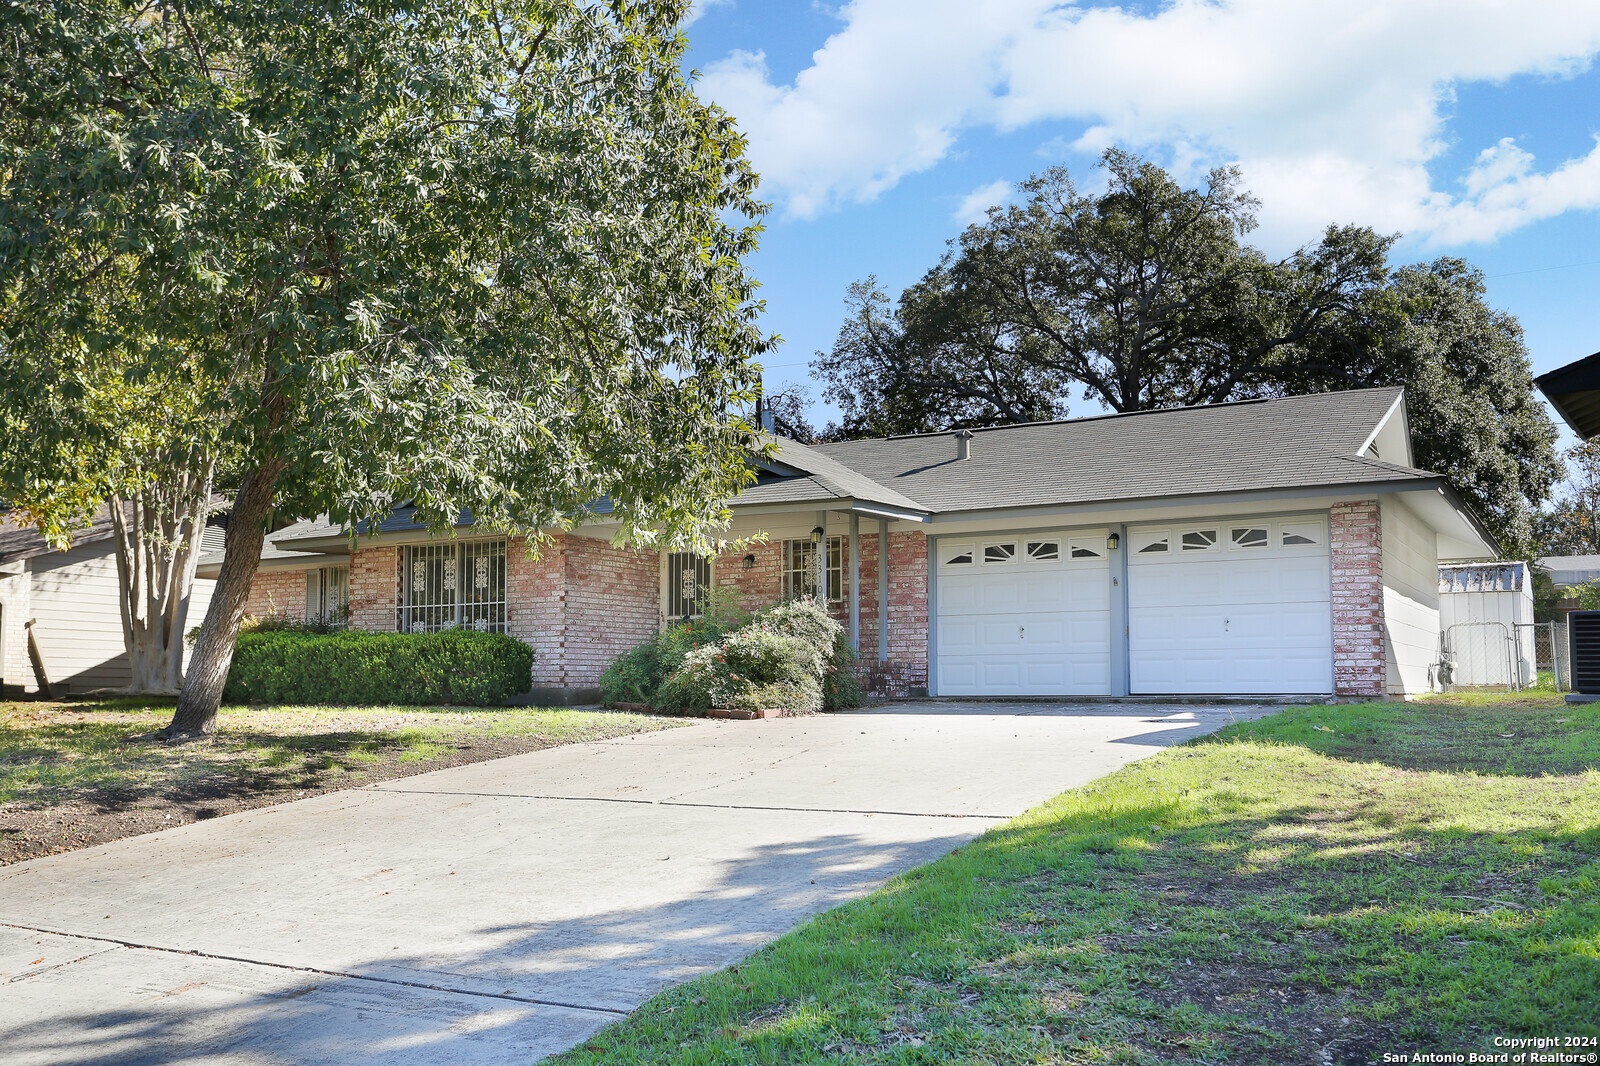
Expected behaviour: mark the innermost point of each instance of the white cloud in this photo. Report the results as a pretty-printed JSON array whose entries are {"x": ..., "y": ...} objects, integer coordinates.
[
  {"x": 975, "y": 205},
  {"x": 700, "y": 7},
  {"x": 1333, "y": 109}
]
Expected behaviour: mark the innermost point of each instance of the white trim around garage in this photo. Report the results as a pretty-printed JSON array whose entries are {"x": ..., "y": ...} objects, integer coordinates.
[{"x": 1291, "y": 607}]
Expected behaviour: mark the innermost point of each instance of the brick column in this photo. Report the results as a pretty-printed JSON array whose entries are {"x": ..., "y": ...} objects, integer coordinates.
[
  {"x": 1356, "y": 542},
  {"x": 908, "y": 606},
  {"x": 374, "y": 588},
  {"x": 536, "y": 606}
]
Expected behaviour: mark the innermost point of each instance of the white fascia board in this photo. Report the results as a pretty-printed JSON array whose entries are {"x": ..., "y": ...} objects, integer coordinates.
[
  {"x": 1163, "y": 507},
  {"x": 1393, "y": 426},
  {"x": 867, "y": 509}
]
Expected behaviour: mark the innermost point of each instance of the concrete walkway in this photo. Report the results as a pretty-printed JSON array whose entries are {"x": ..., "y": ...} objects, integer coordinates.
[{"x": 505, "y": 910}]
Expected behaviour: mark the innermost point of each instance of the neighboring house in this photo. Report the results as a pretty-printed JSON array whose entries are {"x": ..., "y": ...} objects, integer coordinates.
[
  {"x": 1281, "y": 546},
  {"x": 1567, "y": 572},
  {"x": 72, "y": 597}
]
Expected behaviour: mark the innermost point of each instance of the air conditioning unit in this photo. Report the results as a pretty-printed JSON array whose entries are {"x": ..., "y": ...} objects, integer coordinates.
[{"x": 1583, "y": 641}]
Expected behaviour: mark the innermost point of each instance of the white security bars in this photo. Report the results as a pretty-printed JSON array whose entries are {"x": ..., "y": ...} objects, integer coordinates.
[{"x": 447, "y": 586}]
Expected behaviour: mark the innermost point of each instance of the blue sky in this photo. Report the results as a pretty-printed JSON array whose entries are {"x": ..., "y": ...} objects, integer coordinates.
[{"x": 882, "y": 126}]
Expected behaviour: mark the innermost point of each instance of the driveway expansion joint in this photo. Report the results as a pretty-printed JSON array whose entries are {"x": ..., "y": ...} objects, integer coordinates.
[
  {"x": 195, "y": 953},
  {"x": 685, "y": 803}
]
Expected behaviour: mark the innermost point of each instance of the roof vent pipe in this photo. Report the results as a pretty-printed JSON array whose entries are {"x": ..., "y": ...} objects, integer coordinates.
[{"x": 963, "y": 444}]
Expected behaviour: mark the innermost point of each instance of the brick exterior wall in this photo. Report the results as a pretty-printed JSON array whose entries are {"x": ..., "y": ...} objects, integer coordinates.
[
  {"x": 374, "y": 588},
  {"x": 277, "y": 592},
  {"x": 613, "y": 602},
  {"x": 581, "y": 602},
  {"x": 907, "y": 669},
  {"x": 1356, "y": 542},
  {"x": 755, "y": 588}
]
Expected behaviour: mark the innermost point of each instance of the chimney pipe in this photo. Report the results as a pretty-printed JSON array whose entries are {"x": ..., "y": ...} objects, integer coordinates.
[{"x": 963, "y": 444}]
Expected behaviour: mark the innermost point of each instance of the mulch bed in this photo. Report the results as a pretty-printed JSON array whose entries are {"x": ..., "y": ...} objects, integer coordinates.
[{"x": 28, "y": 831}]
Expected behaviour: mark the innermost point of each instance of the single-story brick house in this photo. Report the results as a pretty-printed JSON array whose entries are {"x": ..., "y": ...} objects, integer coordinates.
[{"x": 1260, "y": 547}]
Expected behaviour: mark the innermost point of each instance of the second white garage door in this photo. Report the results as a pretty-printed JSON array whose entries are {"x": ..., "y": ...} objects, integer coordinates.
[
  {"x": 1024, "y": 615},
  {"x": 1230, "y": 606}
]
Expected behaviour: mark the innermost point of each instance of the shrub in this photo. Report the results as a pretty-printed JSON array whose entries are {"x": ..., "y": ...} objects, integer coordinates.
[
  {"x": 751, "y": 669},
  {"x": 809, "y": 621},
  {"x": 637, "y": 675},
  {"x": 457, "y": 666}
]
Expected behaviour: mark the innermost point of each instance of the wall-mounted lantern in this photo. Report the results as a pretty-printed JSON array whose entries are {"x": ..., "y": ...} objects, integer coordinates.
[
  {"x": 817, "y": 535},
  {"x": 1113, "y": 540},
  {"x": 750, "y": 562}
]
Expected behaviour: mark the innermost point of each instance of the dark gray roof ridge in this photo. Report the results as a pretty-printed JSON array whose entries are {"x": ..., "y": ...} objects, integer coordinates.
[{"x": 1105, "y": 415}]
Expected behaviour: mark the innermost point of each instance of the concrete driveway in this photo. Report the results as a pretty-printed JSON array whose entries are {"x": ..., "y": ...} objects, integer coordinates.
[{"x": 505, "y": 910}]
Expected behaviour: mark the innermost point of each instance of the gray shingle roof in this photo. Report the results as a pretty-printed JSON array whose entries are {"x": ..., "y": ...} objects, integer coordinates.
[
  {"x": 1293, "y": 442},
  {"x": 826, "y": 479},
  {"x": 270, "y": 552},
  {"x": 20, "y": 540}
]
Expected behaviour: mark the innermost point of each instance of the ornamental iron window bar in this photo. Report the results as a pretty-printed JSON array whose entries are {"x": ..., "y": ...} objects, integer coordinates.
[
  {"x": 454, "y": 585},
  {"x": 688, "y": 580}
]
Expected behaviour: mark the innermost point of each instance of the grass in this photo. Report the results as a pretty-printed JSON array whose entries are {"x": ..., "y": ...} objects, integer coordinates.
[
  {"x": 52, "y": 753},
  {"x": 1326, "y": 884}
]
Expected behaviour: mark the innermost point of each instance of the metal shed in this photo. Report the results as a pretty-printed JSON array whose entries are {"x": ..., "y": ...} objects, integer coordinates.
[{"x": 1486, "y": 633}]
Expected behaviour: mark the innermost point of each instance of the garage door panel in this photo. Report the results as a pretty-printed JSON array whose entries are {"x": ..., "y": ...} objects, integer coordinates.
[
  {"x": 958, "y": 635},
  {"x": 1028, "y": 627},
  {"x": 1233, "y": 619},
  {"x": 958, "y": 595}
]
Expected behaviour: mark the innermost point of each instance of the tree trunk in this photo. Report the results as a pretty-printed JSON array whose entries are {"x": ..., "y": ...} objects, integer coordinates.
[
  {"x": 158, "y": 530},
  {"x": 213, "y": 652}
]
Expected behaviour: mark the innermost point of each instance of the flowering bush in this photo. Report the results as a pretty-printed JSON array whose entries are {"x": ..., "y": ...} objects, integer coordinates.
[{"x": 752, "y": 669}]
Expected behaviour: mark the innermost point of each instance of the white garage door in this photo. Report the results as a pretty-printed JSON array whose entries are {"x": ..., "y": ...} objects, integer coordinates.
[
  {"x": 1230, "y": 605},
  {"x": 1024, "y": 615}
]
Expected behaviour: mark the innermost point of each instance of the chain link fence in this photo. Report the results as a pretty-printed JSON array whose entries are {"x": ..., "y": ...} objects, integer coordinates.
[
  {"x": 1551, "y": 654},
  {"x": 1497, "y": 656}
]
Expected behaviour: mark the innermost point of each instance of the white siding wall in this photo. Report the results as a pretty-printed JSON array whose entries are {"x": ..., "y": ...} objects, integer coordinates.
[
  {"x": 78, "y": 625},
  {"x": 1410, "y": 599},
  {"x": 75, "y": 600},
  {"x": 15, "y": 603}
]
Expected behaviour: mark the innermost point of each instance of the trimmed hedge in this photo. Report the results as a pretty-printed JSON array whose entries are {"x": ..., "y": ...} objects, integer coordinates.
[{"x": 457, "y": 666}]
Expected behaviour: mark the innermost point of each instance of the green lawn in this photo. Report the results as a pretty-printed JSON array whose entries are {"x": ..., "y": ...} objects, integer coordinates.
[
  {"x": 52, "y": 753},
  {"x": 1325, "y": 885}
]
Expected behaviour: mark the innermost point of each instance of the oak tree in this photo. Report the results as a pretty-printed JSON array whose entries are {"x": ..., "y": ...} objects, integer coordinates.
[{"x": 477, "y": 256}]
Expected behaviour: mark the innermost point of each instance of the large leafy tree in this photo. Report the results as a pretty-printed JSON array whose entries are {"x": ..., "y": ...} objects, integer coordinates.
[
  {"x": 1572, "y": 525},
  {"x": 1142, "y": 296},
  {"x": 1147, "y": 296},
  {"x": 476, "y": 256},
  {"x": 1469, "y": 387},
  {"x": 137, "y": 448}
]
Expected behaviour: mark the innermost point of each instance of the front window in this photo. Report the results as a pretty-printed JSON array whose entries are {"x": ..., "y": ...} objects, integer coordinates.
[
  {"x": 328, "y": 594},
  {"x": 688, "y": 579},
  {"x": 800, "y": 569},
  {"x": 447, "y": 586}
]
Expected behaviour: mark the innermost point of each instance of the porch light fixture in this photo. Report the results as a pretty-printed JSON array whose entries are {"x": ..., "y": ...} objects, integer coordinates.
[
  {"x": 750, "y": 562},
  {"x": 817, "y": 534},
  {"x": 1113, "y": 540}
]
